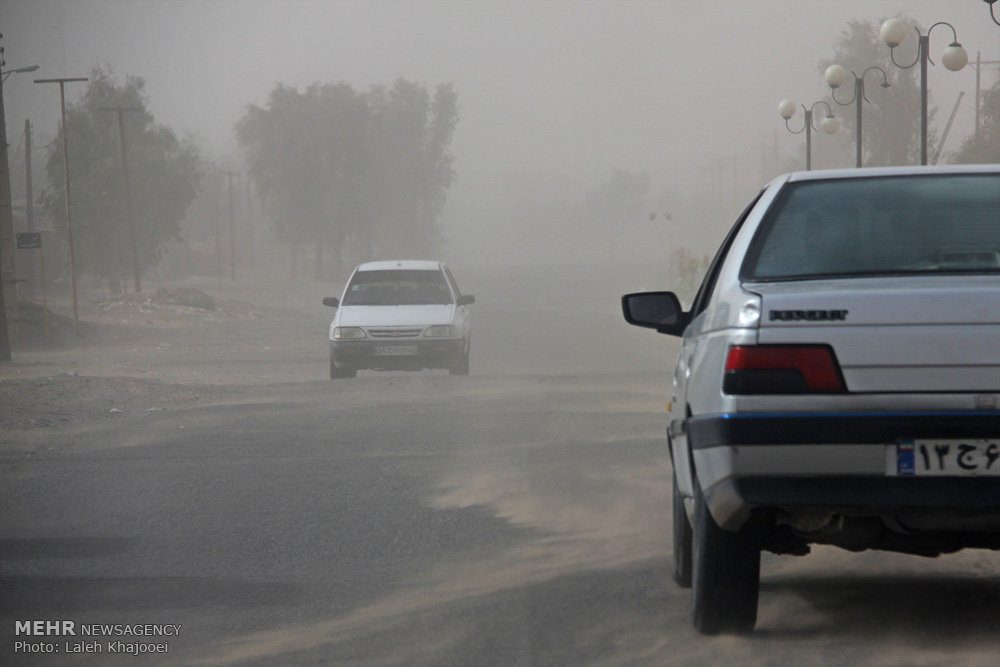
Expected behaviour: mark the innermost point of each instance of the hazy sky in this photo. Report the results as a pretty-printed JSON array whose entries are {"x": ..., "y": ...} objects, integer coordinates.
[{"x": 544, "y": 87}]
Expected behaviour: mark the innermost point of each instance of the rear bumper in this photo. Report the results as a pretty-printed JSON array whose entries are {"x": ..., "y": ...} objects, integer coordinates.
[
  {"x": 860, "y": 496},
  {"x": 762, "y": 429},
  {"x": 840, "y": 462},
  {"x": 432, "y": 353}
]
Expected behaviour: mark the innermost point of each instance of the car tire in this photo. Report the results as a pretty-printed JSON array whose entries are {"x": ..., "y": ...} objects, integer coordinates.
[
  {"x": 725, "y": 574},
  {"x": 463, "y": 366},
  {"x": 682, "y": 540},
  {"x": 341, "y": 373}
]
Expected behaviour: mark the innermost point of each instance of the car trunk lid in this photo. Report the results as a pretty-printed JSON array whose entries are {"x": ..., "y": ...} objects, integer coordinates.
[{"x": 893, "y": 334}]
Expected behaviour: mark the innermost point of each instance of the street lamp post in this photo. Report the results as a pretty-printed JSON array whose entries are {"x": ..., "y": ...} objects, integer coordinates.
[
  {"x": 829, "y": 124},
  {"x": 6, "y": 212},
  {"x": 69, "y": 218},
  {"x": 835, "y": 75},
  {"x": 992, "y": 15},
  {"x": 954, "y": 58}
]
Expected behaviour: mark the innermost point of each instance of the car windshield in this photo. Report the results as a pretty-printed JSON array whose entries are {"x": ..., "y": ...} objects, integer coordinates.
[
  {"x": 880, "y": 226},
  {"x": 397, "y": 288}
]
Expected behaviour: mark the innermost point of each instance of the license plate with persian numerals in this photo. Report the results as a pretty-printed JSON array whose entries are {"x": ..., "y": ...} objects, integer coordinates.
[{"x": 948, "y": 458}]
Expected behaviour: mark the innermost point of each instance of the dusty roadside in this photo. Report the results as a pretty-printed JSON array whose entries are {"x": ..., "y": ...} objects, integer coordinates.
[
  {"x": 528, "y": 513},
  {"x": 268, "y": 339}
]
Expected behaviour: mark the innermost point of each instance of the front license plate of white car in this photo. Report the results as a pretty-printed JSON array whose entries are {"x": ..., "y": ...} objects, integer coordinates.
[
  {"x": 395, "y": 350},
  {"x": 948, "y": 457}
]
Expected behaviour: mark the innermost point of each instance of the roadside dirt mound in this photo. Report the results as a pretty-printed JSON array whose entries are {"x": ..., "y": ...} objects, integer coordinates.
[
  {"x": 167, "y": 305},
  {"x": 137, "y": 335},
  {"x": 184, "y": 296}
]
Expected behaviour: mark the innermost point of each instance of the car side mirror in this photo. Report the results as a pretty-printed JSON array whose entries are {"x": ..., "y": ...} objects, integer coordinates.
[
  {"x": 466, "y": 299},
  {"x": 331, "y": 301},
  {"x": 656, "y": 310}
]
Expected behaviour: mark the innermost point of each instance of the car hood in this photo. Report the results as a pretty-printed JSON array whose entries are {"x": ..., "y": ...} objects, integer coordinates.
[{"x": 390, "y": 316}]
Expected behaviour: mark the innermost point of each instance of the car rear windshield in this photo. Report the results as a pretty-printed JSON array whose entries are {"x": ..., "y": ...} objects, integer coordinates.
[
  {"x": 397, "y": 288},
  {"x": 880, "y": 226}
]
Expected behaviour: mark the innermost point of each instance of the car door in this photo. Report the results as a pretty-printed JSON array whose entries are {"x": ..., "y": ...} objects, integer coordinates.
[
  {"x": 463, "y": 319},
  {"x": 679, "y": 411},
  {"x": 687, "y": 361}
]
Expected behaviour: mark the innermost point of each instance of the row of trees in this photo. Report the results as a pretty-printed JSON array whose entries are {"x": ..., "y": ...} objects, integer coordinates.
[
  {"x": 370, "y": 170},
  {"x": 164, "y": 176},
  {"x": 984, "y": 147},
  {"x": 332, "y": 166}
]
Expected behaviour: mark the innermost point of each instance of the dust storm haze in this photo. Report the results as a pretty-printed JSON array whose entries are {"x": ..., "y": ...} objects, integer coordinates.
[
  {"x": 184, "y": 449},
  {"x": 554, "y": 101}
]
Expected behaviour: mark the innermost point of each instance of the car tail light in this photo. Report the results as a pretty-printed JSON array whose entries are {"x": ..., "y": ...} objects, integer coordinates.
[{"x": 782, "y": 369}]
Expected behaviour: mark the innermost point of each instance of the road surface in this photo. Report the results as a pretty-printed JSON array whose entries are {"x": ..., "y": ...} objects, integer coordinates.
[{"x": 507, "y": 518}]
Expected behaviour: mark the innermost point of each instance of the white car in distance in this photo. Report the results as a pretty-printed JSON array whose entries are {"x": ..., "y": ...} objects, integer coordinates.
[{"x": 400, "y": 315}]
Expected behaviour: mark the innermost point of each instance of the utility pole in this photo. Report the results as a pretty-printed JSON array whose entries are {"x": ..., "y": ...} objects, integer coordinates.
[
  {"x": 248, "y": 217},
  {"x": 232, "y": 226},
  {"x": 29, "y": 207},
  {"x": 29, "y": 198},
  {"x": 215, "y": 227},
  {"x": 29, "y": 204},
  {"x": 809, "y": 149},
  {"x": 136, "y": 276},
  {"x": 231, "y": 214},
  {"x": 6, "y": 224},
  {"x": 69, "y": 217},
  {"x": 6, "y": 213}
]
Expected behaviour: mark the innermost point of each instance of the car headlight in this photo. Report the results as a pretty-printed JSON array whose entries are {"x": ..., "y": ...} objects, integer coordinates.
[
  {"x": 345, "y": 333},
  {"x": 441, "y": 331}
]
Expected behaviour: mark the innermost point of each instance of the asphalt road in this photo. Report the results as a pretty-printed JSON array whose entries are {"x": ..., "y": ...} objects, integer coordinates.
[
  {"x": 424, "y": 520},
  {"x": 184, "y": 475}
]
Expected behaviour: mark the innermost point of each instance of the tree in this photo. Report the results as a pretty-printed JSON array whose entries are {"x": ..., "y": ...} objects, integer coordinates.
[
  {"x": 304, "y": 151},
  {"x": 162, "y": 170},
  {"x": 984, "y": 148},
  {"x": 410, "y": 167},
  {"x": 891, "y": 133},
  {"x": 333, "y": 166}
]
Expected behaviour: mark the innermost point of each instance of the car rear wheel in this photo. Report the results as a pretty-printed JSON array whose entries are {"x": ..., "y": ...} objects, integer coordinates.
[
  {"x": 341, "y": 373},
  {"x": 725, "y": 574},
  {"x": 682, "y": 540}
]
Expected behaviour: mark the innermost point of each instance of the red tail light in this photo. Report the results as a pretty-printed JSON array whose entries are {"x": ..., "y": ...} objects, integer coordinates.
[{"x": 782, "y": 369}]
